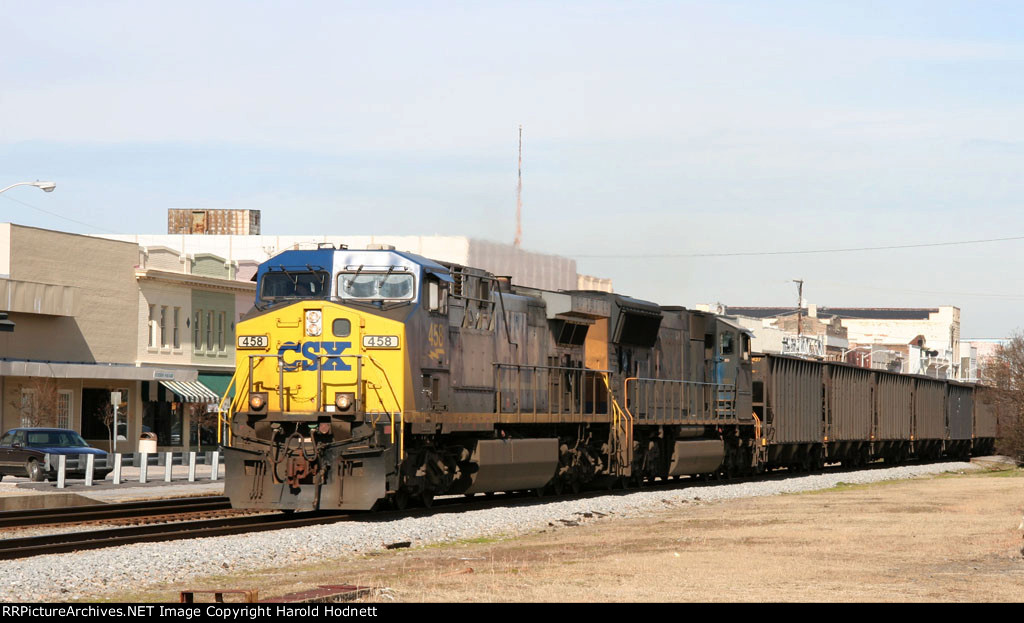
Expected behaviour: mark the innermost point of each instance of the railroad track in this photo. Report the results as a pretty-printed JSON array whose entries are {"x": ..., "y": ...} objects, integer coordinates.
[
  {"x": 95, "y": 539},
  {"x": 126, "y": 510},
  {"x": 25, "y": 547}
]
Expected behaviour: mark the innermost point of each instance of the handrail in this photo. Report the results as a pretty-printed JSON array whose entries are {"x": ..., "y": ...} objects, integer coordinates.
[
  {"x": 713, "y": 398},
  {"x": 220, "y": 410},
  {"x": 578, "y": 393},
  {"x": 398, "y": 407},
  {"x": 619, "y": 411},
  {"x": 320, "y": 378}
]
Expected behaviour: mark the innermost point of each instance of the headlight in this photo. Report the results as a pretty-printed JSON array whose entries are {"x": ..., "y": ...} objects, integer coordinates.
[
  {"x": 257, "y": 401},
  {"x": 314, "y": 322},
  {"x": 344, "y": 401}
]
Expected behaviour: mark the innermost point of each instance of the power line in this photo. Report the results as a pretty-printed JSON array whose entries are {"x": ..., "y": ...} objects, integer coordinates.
[
  {"x": 106, "y": 231},
  {"x": 803, "y": 252}
]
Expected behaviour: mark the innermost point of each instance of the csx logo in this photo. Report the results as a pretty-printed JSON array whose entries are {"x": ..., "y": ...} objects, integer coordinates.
[{"x": 308, "y": 355}]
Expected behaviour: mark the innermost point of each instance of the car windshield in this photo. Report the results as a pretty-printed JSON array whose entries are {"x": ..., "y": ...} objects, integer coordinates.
[
  {"x": 287, "y": 284},
  {"x": 55, "y": 439},
  {"x": 376, "y": 286}
]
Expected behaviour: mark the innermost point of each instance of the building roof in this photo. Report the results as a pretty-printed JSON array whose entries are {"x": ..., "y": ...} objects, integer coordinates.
[{"x": 874, "y": 313}]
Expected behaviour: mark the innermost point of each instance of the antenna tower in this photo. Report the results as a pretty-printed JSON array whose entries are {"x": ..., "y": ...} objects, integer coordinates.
[{"x": 519, "y": 195}]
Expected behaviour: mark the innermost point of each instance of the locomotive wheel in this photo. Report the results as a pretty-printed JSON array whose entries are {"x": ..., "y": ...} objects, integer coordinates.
[
  {"x": 576, "y": 486},
  {"x": 539, "y": 492},
  {"x": 401, "y": 500},
  {"x": 558, "y": 486},
  {"x": 427, "y": 498}
]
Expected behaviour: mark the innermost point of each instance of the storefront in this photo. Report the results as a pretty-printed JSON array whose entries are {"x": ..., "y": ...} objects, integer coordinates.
[{"x": 182, "y": 414}]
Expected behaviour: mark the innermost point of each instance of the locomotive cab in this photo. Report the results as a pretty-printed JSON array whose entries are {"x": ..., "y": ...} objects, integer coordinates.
[{"x": 321, "y": 383}]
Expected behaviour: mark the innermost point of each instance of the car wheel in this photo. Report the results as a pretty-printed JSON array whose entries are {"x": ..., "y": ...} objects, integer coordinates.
[{"x": 35, "y": 471}]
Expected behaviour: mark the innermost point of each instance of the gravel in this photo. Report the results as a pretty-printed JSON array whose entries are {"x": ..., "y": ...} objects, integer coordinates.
[{"x": 114, "y": 571}]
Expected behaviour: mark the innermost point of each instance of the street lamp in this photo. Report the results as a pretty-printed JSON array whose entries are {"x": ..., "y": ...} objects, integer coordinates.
[
  {"x": 46, "y": 186},
  {"x": 850, "y": 350}
]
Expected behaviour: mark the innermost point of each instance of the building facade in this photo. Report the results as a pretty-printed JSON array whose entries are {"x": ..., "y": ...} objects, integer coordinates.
[
  {"x": 103, "y": 329},
  {"x": 910, "y": 340}
]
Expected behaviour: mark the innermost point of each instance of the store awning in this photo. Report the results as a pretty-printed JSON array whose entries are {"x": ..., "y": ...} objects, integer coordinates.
[
  {"x": 192, "y": 391},
  {"x": 217, "y": 383}
]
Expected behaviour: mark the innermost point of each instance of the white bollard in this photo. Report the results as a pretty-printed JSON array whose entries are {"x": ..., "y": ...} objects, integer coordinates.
[
  {"x": 90, "y": 462},
  {"x": 168, "y": 464},
  {"x": 117, "y": 468},
  {"x": 215, "y": 465},
  {"x": 191, "y": 466},
  {"x": 143, "y": 467},
  {"x": 62, "y": 461}
]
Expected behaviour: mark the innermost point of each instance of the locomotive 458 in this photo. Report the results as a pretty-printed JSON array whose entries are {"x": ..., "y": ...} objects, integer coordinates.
[{"x": 375, "y": 375}]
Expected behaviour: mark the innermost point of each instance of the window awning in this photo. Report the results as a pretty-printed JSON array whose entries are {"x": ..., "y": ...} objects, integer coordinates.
[{"x": 191, "y": 391}]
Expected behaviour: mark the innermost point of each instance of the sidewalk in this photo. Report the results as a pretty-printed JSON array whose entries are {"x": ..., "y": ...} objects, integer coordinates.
[{"x": 130, "y": 487}]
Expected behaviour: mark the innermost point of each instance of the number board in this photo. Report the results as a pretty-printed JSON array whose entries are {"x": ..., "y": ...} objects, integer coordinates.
[
  {"x": 253, "y": 341},
  {"x": 380, "y": 341}
]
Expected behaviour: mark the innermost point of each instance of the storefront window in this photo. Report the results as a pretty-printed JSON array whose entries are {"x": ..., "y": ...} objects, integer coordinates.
[{"x": 203, "y": 425}]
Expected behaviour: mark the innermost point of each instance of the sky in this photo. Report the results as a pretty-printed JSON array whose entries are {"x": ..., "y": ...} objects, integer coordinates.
[{"x": 654, "y": 134}]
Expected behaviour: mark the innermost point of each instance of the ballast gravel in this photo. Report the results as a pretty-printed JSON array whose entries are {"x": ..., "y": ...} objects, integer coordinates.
[{"x": 113, "y": 571}]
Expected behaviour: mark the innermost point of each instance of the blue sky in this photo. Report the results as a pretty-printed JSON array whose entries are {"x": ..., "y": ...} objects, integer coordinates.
[{"x": 649, "y": 128}]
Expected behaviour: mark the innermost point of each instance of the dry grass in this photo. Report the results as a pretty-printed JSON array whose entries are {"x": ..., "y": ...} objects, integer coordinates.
[{"x": 940, "y": 539}]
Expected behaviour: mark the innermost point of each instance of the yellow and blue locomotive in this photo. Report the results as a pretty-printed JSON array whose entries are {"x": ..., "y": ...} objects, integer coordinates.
[
  {"x": 368, "y": 376},
  {"x": 372, "y": 376}
]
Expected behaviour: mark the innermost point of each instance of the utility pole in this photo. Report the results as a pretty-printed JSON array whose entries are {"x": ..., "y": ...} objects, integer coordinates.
[
  {"x": 519, "y": 194},
  {"x": 799, "y": 305}
]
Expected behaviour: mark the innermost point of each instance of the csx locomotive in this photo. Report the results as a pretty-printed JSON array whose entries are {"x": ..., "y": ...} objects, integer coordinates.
[{"x": 376, "y": 376}]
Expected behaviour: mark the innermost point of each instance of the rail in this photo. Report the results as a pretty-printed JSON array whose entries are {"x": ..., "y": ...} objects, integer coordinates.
[
  {"x": 391, "y": 414},
  {"x": 665, "y": 400},
  {"x": 321, "y": 390},
  {"x": 551, "y": 390},
  {"x": 224, "y": 421},
  {"x": 618, "y": 415}
]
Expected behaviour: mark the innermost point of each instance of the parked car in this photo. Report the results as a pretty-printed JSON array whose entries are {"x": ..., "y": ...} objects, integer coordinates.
[{"x": 23, "y": 452}]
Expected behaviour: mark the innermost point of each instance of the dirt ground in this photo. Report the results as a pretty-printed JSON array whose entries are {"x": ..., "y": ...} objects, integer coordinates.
[{"x": 948, "y": 538}]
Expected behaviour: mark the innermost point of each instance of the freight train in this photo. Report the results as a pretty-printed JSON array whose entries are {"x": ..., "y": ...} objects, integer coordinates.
[{"x": 373, "y": 377}]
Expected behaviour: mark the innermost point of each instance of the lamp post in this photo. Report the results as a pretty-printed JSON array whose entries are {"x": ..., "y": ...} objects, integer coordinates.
[
  {"x": 850, "y": 350},
  {"x": 5, "y": 324},
  {"x": 46, "y": 186},
  {"x": 898, "y": 357}
]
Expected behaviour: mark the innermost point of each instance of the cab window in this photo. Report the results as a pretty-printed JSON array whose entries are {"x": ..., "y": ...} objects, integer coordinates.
[
  {"x": 437, "y": 297},
  {"x": 287, "y": 284},
  {"x": 376, "y": 286},
  {"x": 726, "y": 342}
]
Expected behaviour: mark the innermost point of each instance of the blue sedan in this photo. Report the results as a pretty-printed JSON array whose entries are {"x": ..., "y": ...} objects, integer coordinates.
[{"x": 23, "y": 452}]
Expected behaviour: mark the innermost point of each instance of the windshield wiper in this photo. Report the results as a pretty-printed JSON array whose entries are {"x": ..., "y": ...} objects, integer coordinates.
[
  {"x": 294, "y": 278},
  {"x": 380, "y": 284}
]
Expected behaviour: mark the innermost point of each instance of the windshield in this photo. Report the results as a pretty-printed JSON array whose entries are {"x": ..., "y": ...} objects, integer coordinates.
[
  {"x": 55, "y": 439},
  {"x": 287, "y": 284},
  {"x": 379, "y": 286}
]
